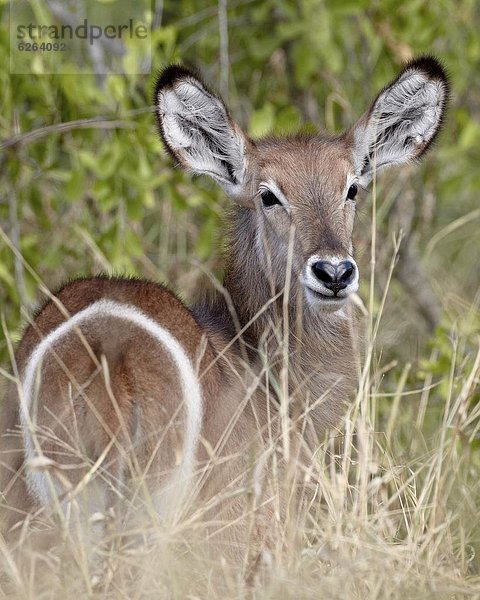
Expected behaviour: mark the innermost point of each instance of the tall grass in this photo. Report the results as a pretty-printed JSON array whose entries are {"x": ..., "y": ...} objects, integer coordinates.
[
  {"x": 382, "y": 523},
  {"x": 389, "y": 505}
]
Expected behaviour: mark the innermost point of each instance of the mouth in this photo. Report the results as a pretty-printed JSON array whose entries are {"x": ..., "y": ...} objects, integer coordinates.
[{"x": 328, "y": 301}]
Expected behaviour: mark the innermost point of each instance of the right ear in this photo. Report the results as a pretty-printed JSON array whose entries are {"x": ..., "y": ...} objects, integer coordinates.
[
  {"x": 197, "y": 129},
  {"x": 403, "y": 120}
]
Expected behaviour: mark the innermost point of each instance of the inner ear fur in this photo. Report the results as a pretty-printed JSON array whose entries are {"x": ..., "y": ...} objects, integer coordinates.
[
  {"x": 403, "y": 120},
  {"x": 197, "y": 129}
]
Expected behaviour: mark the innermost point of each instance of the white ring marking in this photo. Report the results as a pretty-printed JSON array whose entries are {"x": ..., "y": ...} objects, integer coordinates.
[{"x": 191, "y": 390}]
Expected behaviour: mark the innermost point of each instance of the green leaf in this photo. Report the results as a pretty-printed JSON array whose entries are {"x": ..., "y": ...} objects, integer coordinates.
[{"x": 262, "y": 120}]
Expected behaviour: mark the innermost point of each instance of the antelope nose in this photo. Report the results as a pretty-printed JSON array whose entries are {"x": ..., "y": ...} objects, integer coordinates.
[{"x": 334, "y": 277}]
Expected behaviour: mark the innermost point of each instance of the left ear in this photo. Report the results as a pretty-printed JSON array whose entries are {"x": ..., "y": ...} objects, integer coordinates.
[
  {"x": 197, "y": 129},
  {"x": 403, "y": 120}
]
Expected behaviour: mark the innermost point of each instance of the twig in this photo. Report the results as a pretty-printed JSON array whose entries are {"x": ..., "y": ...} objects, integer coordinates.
[
  {"x": 450, "y": 228},
  {"x": 15, "y": 237},
  {"x": 157, "y": 15},
  {"x": 411, "y": 271},
  {"x": 114, "y": 46},
  {"x": 206, "y": 13},
  {"x": 223, "y": 50},
  {"x": 303, "y": 99},
  {"x": 95, "y": 51},
  {"x": 411, "y": 274},
  {"x": 93, "y": 123}
]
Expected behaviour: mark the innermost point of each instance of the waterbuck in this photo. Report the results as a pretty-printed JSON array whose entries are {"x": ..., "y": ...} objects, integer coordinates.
[{"x": 119, "y": 382}]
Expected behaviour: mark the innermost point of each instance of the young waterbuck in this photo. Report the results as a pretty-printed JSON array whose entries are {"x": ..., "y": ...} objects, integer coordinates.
[{"x": 120, "y": 383}]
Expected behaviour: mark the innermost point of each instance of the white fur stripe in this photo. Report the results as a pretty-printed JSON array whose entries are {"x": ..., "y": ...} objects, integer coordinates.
[{"x": 192, "y": 395}]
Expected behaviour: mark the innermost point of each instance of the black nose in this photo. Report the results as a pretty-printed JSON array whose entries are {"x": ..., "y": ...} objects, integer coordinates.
[{"x": 334, "y": 277}]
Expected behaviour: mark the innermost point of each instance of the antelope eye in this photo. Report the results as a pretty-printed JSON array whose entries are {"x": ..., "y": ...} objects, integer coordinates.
[
  {"x": 352, "y": 191},
  {"x": 269, "y": 198}
]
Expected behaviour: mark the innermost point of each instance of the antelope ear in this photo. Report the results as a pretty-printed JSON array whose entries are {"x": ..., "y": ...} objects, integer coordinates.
[
  {"x": 197, "y": 129},
  {"x": 403, "y": 120}
]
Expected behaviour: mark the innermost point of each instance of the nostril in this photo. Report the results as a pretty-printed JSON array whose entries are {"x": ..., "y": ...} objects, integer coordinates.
[
  {"x": 345, "y": 272},
  {"x": 325, "y": 272},
  {"x": 334, "y": 277}
]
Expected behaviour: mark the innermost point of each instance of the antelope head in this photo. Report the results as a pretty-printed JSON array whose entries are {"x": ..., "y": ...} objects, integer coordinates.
[{"x": 299, "y": 192}]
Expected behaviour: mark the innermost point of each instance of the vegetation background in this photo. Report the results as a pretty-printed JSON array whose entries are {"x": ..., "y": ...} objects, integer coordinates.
[{"x": 100, "y": 195}]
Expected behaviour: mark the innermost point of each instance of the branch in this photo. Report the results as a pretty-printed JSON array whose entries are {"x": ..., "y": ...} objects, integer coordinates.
[
  {"x": 224, "y": 61},
  {"x": 96, "y": 51},
  {"x": 15, "y": 237},
  {"x": 303, "y": 99},
  {"x": 62, "y": 14},
  {"x": 410, "y": 271},
  {"x": 93, "y": 123},
  {"x": 411, "y": 274}
]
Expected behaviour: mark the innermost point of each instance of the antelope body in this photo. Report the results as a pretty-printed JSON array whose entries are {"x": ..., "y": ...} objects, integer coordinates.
[{"x": 118, "y": 376}]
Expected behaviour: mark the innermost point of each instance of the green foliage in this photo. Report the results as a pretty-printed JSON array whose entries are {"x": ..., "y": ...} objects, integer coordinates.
[{"x": 103, "y": 196}]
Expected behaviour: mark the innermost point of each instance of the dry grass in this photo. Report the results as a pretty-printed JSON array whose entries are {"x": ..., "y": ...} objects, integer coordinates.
[
  {"x": 391, "y": 503},
  {"x": 392, "y": 513}
]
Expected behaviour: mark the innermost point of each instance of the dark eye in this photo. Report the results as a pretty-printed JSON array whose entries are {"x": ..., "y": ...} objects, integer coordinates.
[
  {"x": 269, "y": 198},
  {"x": 352, "y": 192}
]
